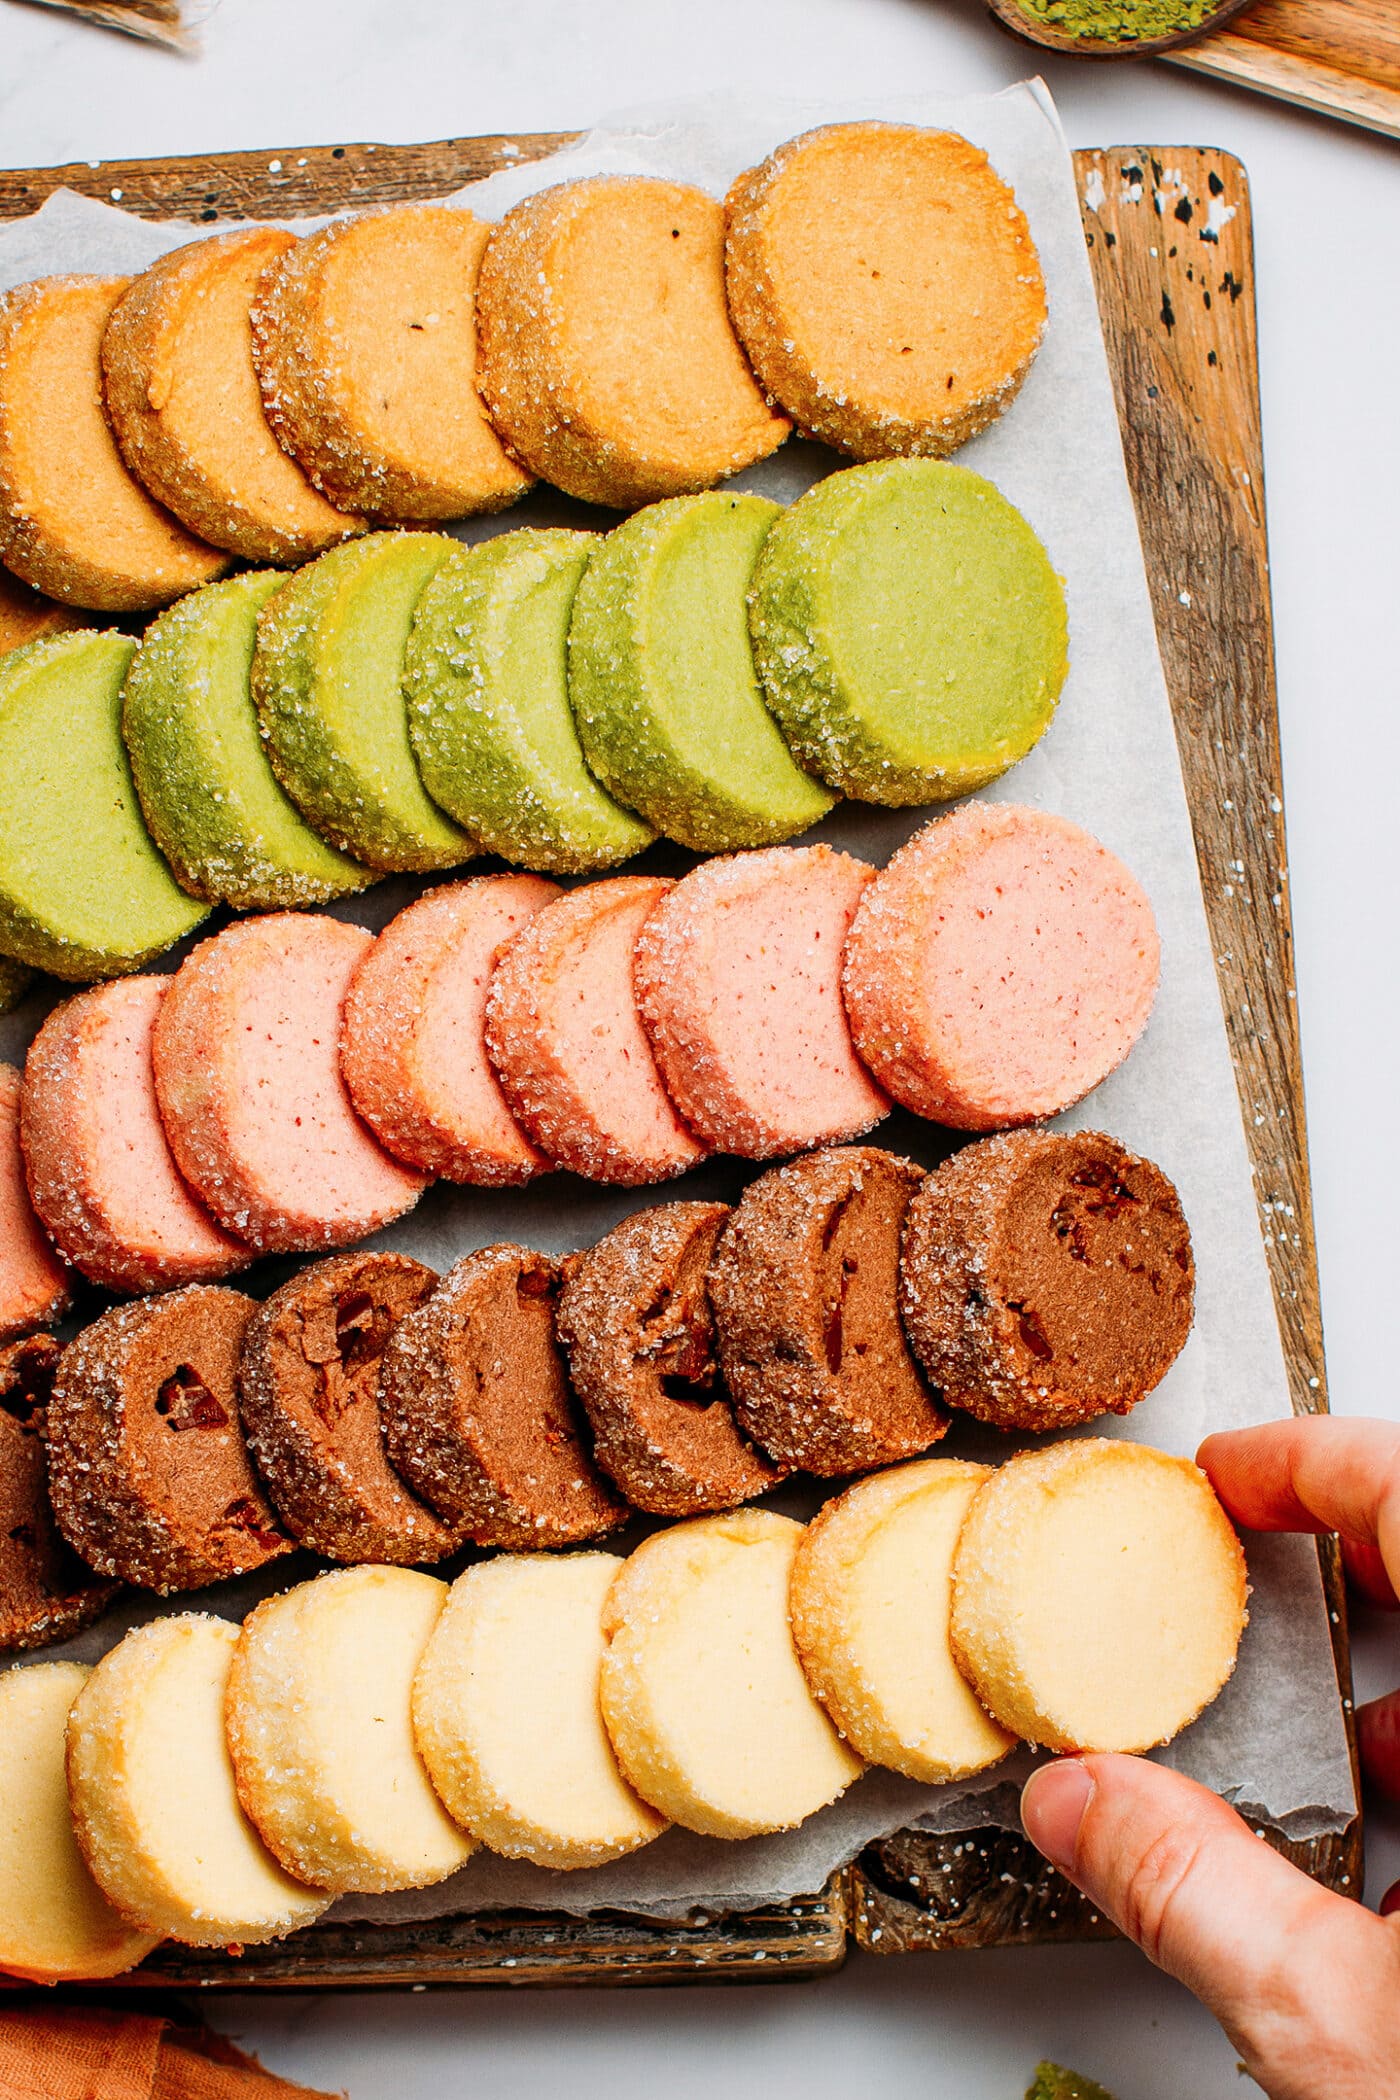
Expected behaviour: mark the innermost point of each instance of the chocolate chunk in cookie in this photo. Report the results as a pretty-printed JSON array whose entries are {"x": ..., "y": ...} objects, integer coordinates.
[
  {"x": 803, "y": 1285},
  {"x": 1047, "y": 1278},
  {"x": 149, "y": 1475},
  {"x": 307, "y": 1386},
  {"x": 635, "y": 1319},
  {"x": 478, "y": 1417},
  {"x": 46, "y": 1593}
]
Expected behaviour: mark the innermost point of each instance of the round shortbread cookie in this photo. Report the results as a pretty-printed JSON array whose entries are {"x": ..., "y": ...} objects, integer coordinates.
[
  {"x": 608, "y": 361},
  {"x": 505, "y": 1710},
  {"x": 870, "y": 1599},
  {"x": 27, "y": 616},
  {"x": 703, "y": 1695},
  {"x": 34, "y": 1285},
  {"x": 83, "y": 891},
  {"x": 73, "y": 521},
  {"x": 321, "y": 1731},
  {"x": 1000, "y": 966},
  {"x": 46, "y": 1593},
  {"x": 98, "y": 1164},
  {"x": 364, "y": 337},
  {"x": 413, "y": 1039},
  {"x": 155, "y": 1808},
  {"x": 884, "y": 282},
  {"x": 56, "y": 1926},
  {"x": 183, "y": 399},
  {"x": 1098, "y": 1595}
]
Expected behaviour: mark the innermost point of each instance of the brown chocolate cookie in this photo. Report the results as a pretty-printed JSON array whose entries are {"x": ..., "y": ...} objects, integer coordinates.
[
  {"x": 149, "y": 1475},
  {"x": 634, "y": 1316},
  {"x": 307, "y": 1385},
  {"x": 1046, "y": 1278},
  {"x": 804, "y": 1289},
  {"x": 478, "y": 1417},
  {"x": 46, "y": 1593}
]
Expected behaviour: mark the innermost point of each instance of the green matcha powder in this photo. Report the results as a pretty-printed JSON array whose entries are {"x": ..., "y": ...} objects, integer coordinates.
[{"x": 1120, "y": 21}]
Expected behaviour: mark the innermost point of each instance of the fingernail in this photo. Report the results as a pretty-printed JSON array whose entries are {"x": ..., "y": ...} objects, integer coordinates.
[{"x": 1053, "y": 1802}]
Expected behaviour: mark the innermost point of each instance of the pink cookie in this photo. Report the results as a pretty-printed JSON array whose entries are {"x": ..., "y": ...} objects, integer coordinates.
[
  {"x": 739, "y": 981},
  {"x": 33, "y": 1282},
  {"x": 999, "y": 967},
  {"x": 563, "y": 1032},
  {"x": 248, "y": 1078},
  {"x": 100, "y": 1170},
  {"x": 413, "y": 1045}
]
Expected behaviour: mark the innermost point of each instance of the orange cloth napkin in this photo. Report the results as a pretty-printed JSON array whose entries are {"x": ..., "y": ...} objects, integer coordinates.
[{"x": 60, "y": 2053}]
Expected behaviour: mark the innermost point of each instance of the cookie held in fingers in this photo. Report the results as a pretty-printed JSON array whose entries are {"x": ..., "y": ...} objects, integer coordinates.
[
  {"x": 74, "y": 522},
  {"x": 413, "y": 1040},
  {"x": 738, "y": 979},
  {"x": 183, "y": 400},
  {"x": 1098, "y": 1595},
  {"x": 804, "y": 1286},
  {"x": 321, "y": 1732},
  {"x": 870, "y": 1600},
  {"x": 709, "y": 1713},
  {"x": 99, "y": 1166},
  {"x": 307, "y": 1385},
  {"x": 999, "y": 967},
  {"x": 56, "y": 1926},
  {"x": 478, "y": 1417},
  {"x": 885, "y": 285},
  {"x": 1047, "y": 1277},
  {"x": 506, "y": 1716},
  {"x": 634, "y": 1318},
  {"x": 364, "y": 337},
  {"x": 150, "y": 1479},
  {"x": 608, "y": 361},
  {"x": 46, "y": 1593},
  {"x": 34, "y": 1285},
  {"x": 154, "y": 1803}
]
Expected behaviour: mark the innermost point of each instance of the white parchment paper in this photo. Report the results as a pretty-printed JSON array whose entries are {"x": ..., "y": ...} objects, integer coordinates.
[{"x": 1274, "y": 1742}]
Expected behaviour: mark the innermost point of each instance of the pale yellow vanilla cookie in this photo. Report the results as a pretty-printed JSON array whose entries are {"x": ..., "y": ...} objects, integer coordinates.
[
  {"x": 183, "y": 398},
  {"x": 364, "y": 336},
  {"x": 153, "y": 1798},
  {"x": 505, "y": 1709},
  {"x": 56, "y": 1926},
  {"x": 870, "y": 1598},
  {"x": 74, "y": 522},
  {"x": 703, "y": 1695},
  {"x": 1098, "y": 1595},
  {"x": 321, "y": 1729}
]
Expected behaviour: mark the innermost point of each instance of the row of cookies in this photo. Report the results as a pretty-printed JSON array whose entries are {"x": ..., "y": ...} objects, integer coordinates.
[
  {"x": 367, "y": 1730},
  {"x": 297, "y": 1083},
  {"x": 686, "y": 1363},
  {"x": 716, "y": 670},
  {"x": 257, "y": 396}
]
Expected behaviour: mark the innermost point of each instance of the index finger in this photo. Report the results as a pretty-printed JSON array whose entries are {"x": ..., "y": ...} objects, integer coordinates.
[{"x": 1312, "y": 1473}]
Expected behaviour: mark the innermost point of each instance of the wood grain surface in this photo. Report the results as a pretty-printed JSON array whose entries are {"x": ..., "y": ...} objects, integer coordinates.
[
  {"x": 1338, "y": 57},
  {"x": 1169, "y": 239}
]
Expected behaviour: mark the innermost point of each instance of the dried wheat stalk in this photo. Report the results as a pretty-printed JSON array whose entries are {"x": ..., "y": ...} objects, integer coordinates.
[{"x": 157, "y": 20}]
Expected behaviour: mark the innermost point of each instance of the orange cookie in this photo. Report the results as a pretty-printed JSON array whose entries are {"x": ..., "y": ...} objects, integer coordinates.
[
  {"x": 27, "y": 617},
  {"x": 884, "y": 282},
  {"x": 608, "y": 361},
  {"x": 364, "y": 337},
  {"x": 177, "y": 363},
  {"x": 73, "y": 521}
]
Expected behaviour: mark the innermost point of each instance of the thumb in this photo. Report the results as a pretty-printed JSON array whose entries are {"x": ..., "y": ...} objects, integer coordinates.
[{"x": 1186, "y": 1879}]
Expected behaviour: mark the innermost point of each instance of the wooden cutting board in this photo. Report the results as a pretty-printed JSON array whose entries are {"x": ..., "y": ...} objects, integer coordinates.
[
  {"x": 1338, "y": 57},
  {"x": 1170, "y": 242}
]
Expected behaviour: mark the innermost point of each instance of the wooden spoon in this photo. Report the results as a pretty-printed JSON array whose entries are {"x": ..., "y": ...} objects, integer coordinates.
[{"x": 1048, "y": 36}]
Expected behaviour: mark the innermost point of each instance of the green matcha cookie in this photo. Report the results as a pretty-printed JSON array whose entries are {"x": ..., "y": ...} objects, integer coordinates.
[
  {"x": 488, "y": 706},
  {"x": 207, "y": 791},
  {"x": 909, "y": 631},
  {"x": 328, "y": 682},
  {"x": 83, "y": 891},
  {"x": 15, "y": 981},
  {"x": 662, "y": 679},
  {"x": 1053, "y": 2082}
]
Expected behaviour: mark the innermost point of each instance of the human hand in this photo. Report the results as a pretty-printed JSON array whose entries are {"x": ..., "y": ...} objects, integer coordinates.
[{"x": 1305, "y": 1983}]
